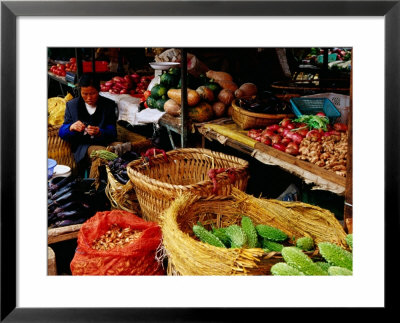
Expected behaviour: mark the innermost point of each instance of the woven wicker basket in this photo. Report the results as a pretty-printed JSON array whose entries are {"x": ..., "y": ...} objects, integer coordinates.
[
  {"x": 122, "y": 197},
  {"x": 185, "y": 171},
  {"x": 59, "y": 149},
  {"x": 248, "y": 120},
  {"x": 188, "y": 256}
]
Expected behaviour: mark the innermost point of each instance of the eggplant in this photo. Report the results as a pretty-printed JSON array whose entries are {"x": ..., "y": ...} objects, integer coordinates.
[
  {"x": 68, "y": 196},
  {"x": 62, "y": 191},
  {"x": 64, "y": 223},
  {"x": 59, "y": 184},
  {"x": 121, "y": 179},
  {"x": 67, "y": 206},
  {"x": 68, "y": 214}
]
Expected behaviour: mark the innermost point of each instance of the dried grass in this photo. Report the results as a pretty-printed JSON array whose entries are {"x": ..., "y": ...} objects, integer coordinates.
[{"x": 188, "y": 256}]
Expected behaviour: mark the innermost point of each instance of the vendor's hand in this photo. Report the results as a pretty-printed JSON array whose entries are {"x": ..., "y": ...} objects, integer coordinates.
[
  {"x": 93, "y": 130},
  {"x": 77, "y": 126}
]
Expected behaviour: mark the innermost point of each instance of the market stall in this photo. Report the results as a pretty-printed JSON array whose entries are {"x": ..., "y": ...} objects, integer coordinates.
[{"x": 177, "y": 203}]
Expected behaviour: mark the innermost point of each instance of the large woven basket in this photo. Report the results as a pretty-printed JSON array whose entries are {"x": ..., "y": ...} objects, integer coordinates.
[
  {"x": 186, "y": 170},
  {"x": 188, "y": 256},
  {"x": 249, "y": 120},
  {"x": 58, "y": 149},
  {"x": 121, "y": 197}
]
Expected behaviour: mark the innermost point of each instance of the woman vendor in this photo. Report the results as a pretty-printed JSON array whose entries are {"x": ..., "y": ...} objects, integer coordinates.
[{"x": 89, "y": 122}]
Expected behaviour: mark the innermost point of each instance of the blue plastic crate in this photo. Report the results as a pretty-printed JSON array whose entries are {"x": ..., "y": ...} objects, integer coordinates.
[{"x": 304, "y": 106}]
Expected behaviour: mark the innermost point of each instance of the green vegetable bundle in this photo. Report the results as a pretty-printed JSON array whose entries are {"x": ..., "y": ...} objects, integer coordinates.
[{"x": 313, "y": 121}]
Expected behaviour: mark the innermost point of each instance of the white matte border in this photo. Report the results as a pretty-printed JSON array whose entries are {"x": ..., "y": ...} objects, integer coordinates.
[{"x": 365, "y": 288}]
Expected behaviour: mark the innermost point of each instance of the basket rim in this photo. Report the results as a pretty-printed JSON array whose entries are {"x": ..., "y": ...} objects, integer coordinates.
[
  {"x": 260, "y": 115},
  {"x": 139, "y": 177}
]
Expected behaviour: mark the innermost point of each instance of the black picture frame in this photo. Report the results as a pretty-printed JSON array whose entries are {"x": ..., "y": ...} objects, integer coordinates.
[{"x": 10, "y": 10}]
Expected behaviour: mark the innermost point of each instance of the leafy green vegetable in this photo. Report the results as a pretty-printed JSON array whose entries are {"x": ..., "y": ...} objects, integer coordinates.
[{"x": 314, "y": 122}]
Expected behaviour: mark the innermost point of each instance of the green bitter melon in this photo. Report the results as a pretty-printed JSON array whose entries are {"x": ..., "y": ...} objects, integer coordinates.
[
  {"x": 305, "y": 243},
  {"x": 207, "y": 237},
  {"x": 339, "y": 271},
  {"x": 270, "y": 233},
  {"x": 349, "y": 240},
  {"x": 250, "y": 231},
  {"x": 336, "y": 255},
  {"x": 236, "y": 236},
  {"x": 283, "y": 269},
  {"x": 272, "y": 245},
  {"x": 296, "y": 258}
]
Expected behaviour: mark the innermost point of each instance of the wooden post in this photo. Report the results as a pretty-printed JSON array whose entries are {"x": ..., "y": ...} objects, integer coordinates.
[{"x": 348, "y": 201}]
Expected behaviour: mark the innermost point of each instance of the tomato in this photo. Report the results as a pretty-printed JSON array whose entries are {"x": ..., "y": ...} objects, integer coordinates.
[
  {"x": 72, "y": 60},
  {"x": 266, "y": 140},
  {"x": 276, "y": 139},
  {"x": 302, "y": 132},
  {"x": 292, "y": 151},
  {"x": 290, "y": 126},
  {"x": 340, "y": 127},
  {"x": 123, "y": 91},
  {"x": 320, "y": 114},
  {"x": 286, "y": 141},
  {"x": 285, "y": 122},
  {"x": 145, "y": 104},
  {"x": 297, "y": 138},
  {"x": 273, "y": 127},
  {"x": 280, "y": 147}
]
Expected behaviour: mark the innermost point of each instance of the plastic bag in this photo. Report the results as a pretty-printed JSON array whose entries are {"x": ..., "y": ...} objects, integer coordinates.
[{"x": 136, "y": 258}]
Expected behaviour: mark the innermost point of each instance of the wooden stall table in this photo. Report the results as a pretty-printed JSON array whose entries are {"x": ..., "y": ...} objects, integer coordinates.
[{"x": 228, "y": 133}]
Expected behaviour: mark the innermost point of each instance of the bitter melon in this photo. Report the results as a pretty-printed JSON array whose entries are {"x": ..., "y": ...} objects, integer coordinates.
[
  {"x": 324, "y": 265},
  {"x": 336, "y": 255},
  {"x": 296, "y": 258},
  {"x": 349, "y": 240},
  {"x": 250, "y": 231},
  {"x": 236, "y": 236},
  {"x": 305, "y": 243},
  {"x": 283, "y": 269},
  {"x": 272, "y": 245},
  {"x": 221, "y": 235},
  {"x": 270, "y": 233},
  {"x": 207, "y": 237},
  {"x": 339, "y": 271}
]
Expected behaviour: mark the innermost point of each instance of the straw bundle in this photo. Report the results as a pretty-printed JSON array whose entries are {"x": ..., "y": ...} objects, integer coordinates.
[
  {"x": 188, "y": 256},
  {"x": 186, "y": 170},
  {"x": 121, "y": 196}
]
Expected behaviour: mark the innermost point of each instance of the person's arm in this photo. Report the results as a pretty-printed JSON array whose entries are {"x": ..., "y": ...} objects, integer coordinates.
[{"x": 65, "y": 132}]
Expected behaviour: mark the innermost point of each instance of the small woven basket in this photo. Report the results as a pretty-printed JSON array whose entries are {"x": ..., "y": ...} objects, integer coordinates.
[
  {"x": 188, "y": 256},
  {"x": 122, "y": 197},
  {"x": 58, "y": 149},
  {"x": 249, "y": 120},
  {"x": 186, "y": 170}
]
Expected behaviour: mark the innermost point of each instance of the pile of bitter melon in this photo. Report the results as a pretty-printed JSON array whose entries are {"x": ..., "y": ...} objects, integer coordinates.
[{"x": 245, "y": 235}]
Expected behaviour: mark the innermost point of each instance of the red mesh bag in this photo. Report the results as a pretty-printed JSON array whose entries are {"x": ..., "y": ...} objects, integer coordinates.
[{"x": 135, "y": 258}]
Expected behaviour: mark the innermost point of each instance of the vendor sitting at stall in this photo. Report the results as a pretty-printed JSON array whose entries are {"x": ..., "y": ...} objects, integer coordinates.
[{"x": 89, "y": 122}]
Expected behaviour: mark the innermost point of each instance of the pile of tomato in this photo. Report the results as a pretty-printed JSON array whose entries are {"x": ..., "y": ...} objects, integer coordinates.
[
  {"x": 132, "y": 84},
  {"x": 287, "y": 135},
  {"x": 62, "y": 69}
]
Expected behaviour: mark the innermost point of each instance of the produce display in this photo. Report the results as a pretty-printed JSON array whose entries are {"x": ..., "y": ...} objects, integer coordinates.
[
  {"x": 208, "y": 96},
  {"x": 118, "y": 166},
  {"x": 245, "y": 235},
  {"x": 71, "y": 201},
  {"x": 311, "y": 138},
  {"x": 62, "y": 69},
  {"x": 132, "y": 84},
  {"x": 338, "y": 261},
  {"x": 116, "y": 237}
]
